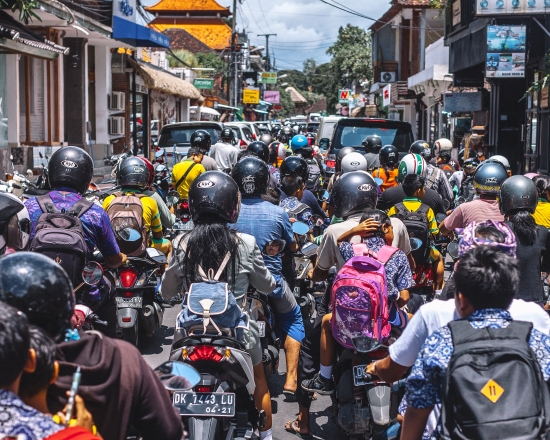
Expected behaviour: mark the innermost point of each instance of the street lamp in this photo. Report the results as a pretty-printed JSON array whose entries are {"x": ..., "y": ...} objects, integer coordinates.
[{"x": 257, "y": 49}]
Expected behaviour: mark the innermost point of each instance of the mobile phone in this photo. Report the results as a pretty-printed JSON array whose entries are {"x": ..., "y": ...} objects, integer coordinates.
[{"x": 72, "y": 393}]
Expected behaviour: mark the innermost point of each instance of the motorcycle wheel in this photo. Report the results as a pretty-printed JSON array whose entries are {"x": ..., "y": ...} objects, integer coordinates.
[{"x": 131, "y": 334}]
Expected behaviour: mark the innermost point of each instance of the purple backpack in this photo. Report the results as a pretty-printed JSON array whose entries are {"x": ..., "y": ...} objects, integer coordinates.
[{"x": 360, "y": 297}]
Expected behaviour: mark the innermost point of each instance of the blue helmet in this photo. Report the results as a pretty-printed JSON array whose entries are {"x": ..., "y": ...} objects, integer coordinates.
[{"x": 298, "y": 142}]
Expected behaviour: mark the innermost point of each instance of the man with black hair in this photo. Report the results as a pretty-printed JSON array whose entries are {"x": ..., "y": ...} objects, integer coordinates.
[
  {"x": 294, "y": 187},
  {"x": 184, "y": 172},
  {"x": 224, "y": 152}
]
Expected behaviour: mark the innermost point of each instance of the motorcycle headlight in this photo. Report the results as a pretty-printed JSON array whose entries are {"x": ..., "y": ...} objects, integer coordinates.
[{"x": 141, "y": 280}]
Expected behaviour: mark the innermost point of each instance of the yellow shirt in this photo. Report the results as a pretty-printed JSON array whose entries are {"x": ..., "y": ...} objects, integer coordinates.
[
  {"x": 179, "y": 170},
  {"x": 151, "y": 215},
  {"x": 412, "y": 204},
  {"x": 542, "y": 213}
]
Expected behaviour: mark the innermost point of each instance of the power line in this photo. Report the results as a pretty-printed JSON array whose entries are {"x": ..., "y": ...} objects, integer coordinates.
[{"x": 263, "y": 15}]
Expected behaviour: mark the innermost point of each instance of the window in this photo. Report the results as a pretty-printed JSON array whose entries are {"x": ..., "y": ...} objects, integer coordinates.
[{"x": 3, "y": 104}]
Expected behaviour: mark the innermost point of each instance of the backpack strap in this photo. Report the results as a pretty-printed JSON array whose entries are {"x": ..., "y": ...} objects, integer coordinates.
[
  {"x": 46, "y": 204},
  {"x": 80, "y": 207},
  {"x": 423, "y": 209},
  {"x": 401, "y": 209},
  {"x": 185, "y": 175},
  {"x": 463, "y": 332},
  {"x": 211, "y": 276},
  {"x": 385, "y": 253}
]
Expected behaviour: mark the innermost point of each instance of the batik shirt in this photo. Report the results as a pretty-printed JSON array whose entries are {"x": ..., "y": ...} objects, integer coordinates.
[
  {"x": 398, "y": 271},
  {"x": 425, "y": 383},
  {"x": 292, "y": 204},
  {"x": 16, "y": 418}
]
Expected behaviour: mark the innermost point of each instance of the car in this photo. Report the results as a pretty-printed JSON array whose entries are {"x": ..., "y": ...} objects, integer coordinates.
[
  {"x": 175, "y": 138},
  {"x": 263, "y": 126},
  {"x": 326, "y": 128},
  {"x": 312, "y": 127},
  {"x": 243, "y": 133}
]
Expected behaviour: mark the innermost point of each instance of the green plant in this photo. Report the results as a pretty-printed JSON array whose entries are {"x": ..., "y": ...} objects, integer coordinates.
[
  {"x": 25, "y": 8},
  {"x": 543, "y": 82}
]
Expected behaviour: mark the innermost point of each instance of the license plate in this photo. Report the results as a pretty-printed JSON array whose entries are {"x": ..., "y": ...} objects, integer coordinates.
[
  {"x": 359, "y": 373},
  {"x": 135, "y": 302},
  {"x": 261, "y": 328},
  {"x": 205, "y": 404},
  {"x": 297, "y": 292}
]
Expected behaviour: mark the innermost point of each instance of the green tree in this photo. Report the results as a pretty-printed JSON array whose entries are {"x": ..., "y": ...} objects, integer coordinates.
[
  {"x": 294, "y": 78},
  {"x": 289, "y": 108},
  {"x": 25, "y": 7},
  {"x": 326, "y": 82}
]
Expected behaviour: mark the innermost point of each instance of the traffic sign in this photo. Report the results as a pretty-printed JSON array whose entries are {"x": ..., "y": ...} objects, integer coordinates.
[
  {"x": 203, "y": 83},
  {"x": 268, "y": 78},
  {"x": 251, "y": 96},
  {"x": 343, "y": 96},
  {"x": 277, "y": 107}
]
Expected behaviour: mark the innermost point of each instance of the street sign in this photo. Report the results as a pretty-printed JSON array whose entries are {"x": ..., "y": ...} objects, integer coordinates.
[
  {"x": 203, "y": 83},
  {"x": 272, "y": 96},
  {"x": 386, "y": 95},
  {"x": 277, "y": 107},
  {"x": 268, "y": 78},
  {"x": 462, "y": 102},
  {"x": 251, "y": 96},
  {"x": 343, "y": 96}
]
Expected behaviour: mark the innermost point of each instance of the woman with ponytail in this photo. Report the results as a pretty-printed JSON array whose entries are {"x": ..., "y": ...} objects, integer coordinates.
[{"x": 517, "y": 201}]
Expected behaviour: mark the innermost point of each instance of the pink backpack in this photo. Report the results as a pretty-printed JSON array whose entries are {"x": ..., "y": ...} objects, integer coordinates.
[{"x": 360, "y": 296}]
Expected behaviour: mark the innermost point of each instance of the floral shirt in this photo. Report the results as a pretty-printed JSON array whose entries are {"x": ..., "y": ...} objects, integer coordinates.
[
  {"x": 425, "y": 383},
  {"x": 398, "y": 271},
  {"x": 18, "y": 419},
  {"x": 292, "y": 205}
]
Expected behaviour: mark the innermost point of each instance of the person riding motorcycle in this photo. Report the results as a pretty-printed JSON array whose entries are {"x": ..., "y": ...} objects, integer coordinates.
[
  {"x": 16, "y": 229},
  {"x": 224, "y": 152},
  {"x": 202, "y": 140},
  {"x": 186, "y": 171},
  {"x": 338, "y": 168},
  {"x": 423, "y": 148},
  {"x": 300, "y": 147},
  {"x": 467, "y": 190},
  {"x": 282, "y": 144},
  {"x": 503, "y": 161},
  {"x": 372, "y": 145},
  {"x": 389, "y": 159},
  {"x": 261, "y": 150},
  {"x": 166, "y": 217},
  {"x": 215, "y": 201},
  {"x": 435, "y": 178},
  {"x": 119, "y": 388},
  {"x": 354, "y": 162}
]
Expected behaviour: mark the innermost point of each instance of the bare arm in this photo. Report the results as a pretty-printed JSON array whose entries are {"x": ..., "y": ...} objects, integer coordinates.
[
  {"x": 387, "y": 370},
  {"x": 115, "y": 261},
  {"x": 364, "y": 229},
  {"x": 414, "y": 423}
]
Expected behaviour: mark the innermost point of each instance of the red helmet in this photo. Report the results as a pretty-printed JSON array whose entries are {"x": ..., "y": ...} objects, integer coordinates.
[{"x": 151, "y": 169}]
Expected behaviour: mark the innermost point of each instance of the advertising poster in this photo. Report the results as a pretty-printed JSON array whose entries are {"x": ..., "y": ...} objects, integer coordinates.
[
  {"x": 512, "y": 7},
  {"x": 505, "y": 51},
  {"x": 272, "y": 96}
]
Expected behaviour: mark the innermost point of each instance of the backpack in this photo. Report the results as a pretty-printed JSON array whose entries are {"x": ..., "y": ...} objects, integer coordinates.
[
  {"x": 127, "y": 212},
  {"x": 295, "y": 211},
  {"x": 494, "y": 387},
  {"x": 448, "y": 170},
  {"x": 59, "y": 235},
  {"x": 418, "y": 226},
  {"x": 314, "y": 180},
  {"x": 360, "y": 297}
]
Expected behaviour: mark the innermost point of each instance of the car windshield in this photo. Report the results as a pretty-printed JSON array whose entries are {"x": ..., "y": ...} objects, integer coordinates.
[
  {"x": 181, "y": 136},
  {"x": 347, "y": 136}
]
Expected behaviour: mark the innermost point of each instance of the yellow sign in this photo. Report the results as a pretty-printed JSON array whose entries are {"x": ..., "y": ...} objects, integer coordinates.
[
  {"x": 492, "y": 390},
  {"x": 251, "y": 96}
]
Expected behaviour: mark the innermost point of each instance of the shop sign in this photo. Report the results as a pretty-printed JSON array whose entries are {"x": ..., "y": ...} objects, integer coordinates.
[
  {"x": 457, "y": 13},
  {"x": 268, "y": 77},
  {"x": 343, "y": 96},
  {"x": 462, "y": 102},
  {"x": 505, "y": 51},
  {"x": 272, "y": 96},
  {"x": 277, "y": 107},
  {"x": 251, "y": 96},
  {"x": 386, "y": 95},
  {"x": 203, "y": 83},
  {"x": 512, "y": 7}
]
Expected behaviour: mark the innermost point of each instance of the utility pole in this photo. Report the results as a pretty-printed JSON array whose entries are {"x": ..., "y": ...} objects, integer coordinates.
[
  {"x": 234, "y": 56},
  {"x": 267, "y": 48}
]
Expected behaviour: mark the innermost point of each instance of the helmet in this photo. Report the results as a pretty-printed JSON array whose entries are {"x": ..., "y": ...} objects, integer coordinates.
[
  {"x": 469, "y": 166},
  {"x": 215, "y": 193},
  {"x": 294, "y": 166},
  {"x": 389, "y": 156},
  {"x": 151, "y": 170},
  {"x": 500, "y": 159},
  {"x": 343, "y": 152},
  {"x": 266, "y": 138},
  {"x": 202, "y": 140},
  {"x": 40, "y": 288},
  {"x": 517, "y": 192},
  {"x": 488, "y": 177},
  {"x": 461, "y": 157},
  {"x": 132, "y": 172},
  {"x": 72, "y": 167},
  {"x": 418, "y": 147},
  {"x": 298, "y": 142},
  {"x": 441, "y": 145},
  {"x": 227, "y": 134},
  {"x": 251, "y": 175},
  {"x": 260, "y": 149},
  {"x": 288, "y": 132},
  {"x": 352, "y": 193},
  {"x": 372, "y": 144},
  {"x": 353, "y": 162},
  {"x": 15, "y": 224},
  {"x": 411, "y": 164}
]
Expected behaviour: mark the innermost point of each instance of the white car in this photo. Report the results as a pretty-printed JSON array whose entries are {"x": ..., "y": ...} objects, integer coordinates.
[{"x": 243, "y": 133}]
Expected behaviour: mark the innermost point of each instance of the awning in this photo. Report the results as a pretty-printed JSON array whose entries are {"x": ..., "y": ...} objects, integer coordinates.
[
  {"x": 437, "y": 72},
  {"x": 137, "y": 35},
  {"x": 263, "y": 112},
  {"x": 158, "y": 79},
  {"x": 228, "y": 107},
  {"x": 205, "y": 110}
]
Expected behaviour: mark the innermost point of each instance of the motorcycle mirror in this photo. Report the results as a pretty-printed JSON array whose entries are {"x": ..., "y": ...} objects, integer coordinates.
[
  {"x": 309, "y": 249},
  {"x": 416, "y": 243},
  {"x": 452, "y": 249},
  {"x": 92, "y": 273},
  {"x": 446, "y": 204},
  {"x": 157, "y": 256},
  {"x": 274, "y": 247},
  {"x": 159, "y": 153},
  {"x": 177, "y": 376},
  {"x": 364, "y": 344},
  {"x": 378, "y": 181},
  {"x": 129, "y": 235},
  {"x": 300, "y": 228},
  {"x": 440, "y": 217}
]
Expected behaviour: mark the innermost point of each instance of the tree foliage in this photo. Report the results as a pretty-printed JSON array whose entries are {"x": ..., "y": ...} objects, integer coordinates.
[
  {"x": 289, "y": 108},
  {"x": 25, "y": 8}
]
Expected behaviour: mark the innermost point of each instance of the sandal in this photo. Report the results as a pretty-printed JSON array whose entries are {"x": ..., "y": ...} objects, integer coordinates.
[
  {"x": 291, "y": 426},
  {"x": 289, "y": 392}
]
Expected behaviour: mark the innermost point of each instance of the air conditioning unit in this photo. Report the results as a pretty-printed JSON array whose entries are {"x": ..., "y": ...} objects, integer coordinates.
[
  {"x": 117, "y": 101},
  {"x": 117, "y": 126},
  {"x": 387, "y": 77}
]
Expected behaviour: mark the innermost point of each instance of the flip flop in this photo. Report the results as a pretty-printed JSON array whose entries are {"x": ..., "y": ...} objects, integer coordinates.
[
  {"x": 289, "y": 392},
  {"x": 289, "y": 427}
]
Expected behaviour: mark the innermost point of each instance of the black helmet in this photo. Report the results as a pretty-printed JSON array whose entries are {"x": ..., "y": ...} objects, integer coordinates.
[
  {"x": 344, "y": 151},
  {"x": 227, "y": 134},
  {"x": 488, "y": 177},
  {"x": 266, "y": 138},
  {"x": 389, "y": 156},
  {"x": 294, "y": 166},
  {"x": 372, "y": 144},
  {"x": 202, "y": 140},
  {"x": 461, "y": 157},
  {"x": 251, "y": 175},
  {"x": 132, "y": 172},
  {"x": 40, "y": 288},
  {"x": 517, "y": 192},
  {"x": 470, "y": 165},
  {"x": 260, "y": 149},
  {"x": 352, "y": 193},
  {"x": 423, "y": 148},
  {"x": 72, "y": 167},
  {"x": 215, "y": 193}
]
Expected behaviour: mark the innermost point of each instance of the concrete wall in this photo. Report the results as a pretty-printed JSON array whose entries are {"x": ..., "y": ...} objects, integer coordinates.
[{"x": 437, "y": 53}]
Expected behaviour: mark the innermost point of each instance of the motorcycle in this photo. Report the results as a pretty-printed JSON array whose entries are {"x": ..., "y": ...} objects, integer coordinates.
[
  {"x": 114, "y": 161},
  {"x": 92, "y": 275},
  {"x": 42, "y": 181}
]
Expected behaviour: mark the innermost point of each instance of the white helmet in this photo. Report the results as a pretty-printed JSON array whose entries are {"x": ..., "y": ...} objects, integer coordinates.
[
  {"x": 440, "y": 145},
  {"x": 17, "y": 224},
  {"x": 501, "y": 159},
  {"x": 353, "y": 162},
  {"x": 411, "y": 164}
]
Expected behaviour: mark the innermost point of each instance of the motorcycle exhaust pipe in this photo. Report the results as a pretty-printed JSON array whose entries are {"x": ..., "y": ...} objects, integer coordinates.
[{"x": 149, "y": 320}]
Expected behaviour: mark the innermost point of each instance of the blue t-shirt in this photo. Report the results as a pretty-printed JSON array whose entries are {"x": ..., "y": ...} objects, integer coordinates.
[
  {"x": 310, "y": 200},
  {"x": 265, "y": 222}
]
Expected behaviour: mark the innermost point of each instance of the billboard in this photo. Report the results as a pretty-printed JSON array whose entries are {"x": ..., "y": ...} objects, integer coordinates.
[
  {"x": 251, "y": 96},
  {"x": 272, "y": 96},
  {"x": 268, "y": 78},
  {"x": 505, "y": 51},
  {"x": 511, "y": 7}
]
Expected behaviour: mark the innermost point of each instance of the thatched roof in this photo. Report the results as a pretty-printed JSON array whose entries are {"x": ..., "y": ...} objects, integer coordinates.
[
  {"x": 165, "y": 82},
  {"x": 295, "y": 96}
]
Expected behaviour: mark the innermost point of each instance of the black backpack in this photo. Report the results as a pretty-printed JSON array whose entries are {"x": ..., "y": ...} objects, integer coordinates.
[
  {"x": 59, "y": 236},
  {"x": 494, "y": 387},
  {"x": 314, "y": 180},
  {"x": 418, "y": 226}
]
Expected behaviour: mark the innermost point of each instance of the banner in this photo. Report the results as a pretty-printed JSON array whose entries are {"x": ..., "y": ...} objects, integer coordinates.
[
  {"x": 268, "y": 77},
  {"x": 505, "y": 51},
  {"x": 251, "y": 96},
  {"x": 511, "y": 7},
  {"x": 272, "y": 96},
  {"x": 386, "y": 95}
]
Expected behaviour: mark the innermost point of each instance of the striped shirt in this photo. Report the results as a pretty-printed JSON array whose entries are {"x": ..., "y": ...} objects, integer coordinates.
[
  {"x": 436, "y": 180},
  {"x": 478, "y": 210}
]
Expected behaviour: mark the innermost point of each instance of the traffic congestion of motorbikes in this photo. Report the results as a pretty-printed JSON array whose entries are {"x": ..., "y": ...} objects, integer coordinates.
[{"x": 324, "y": 246}]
